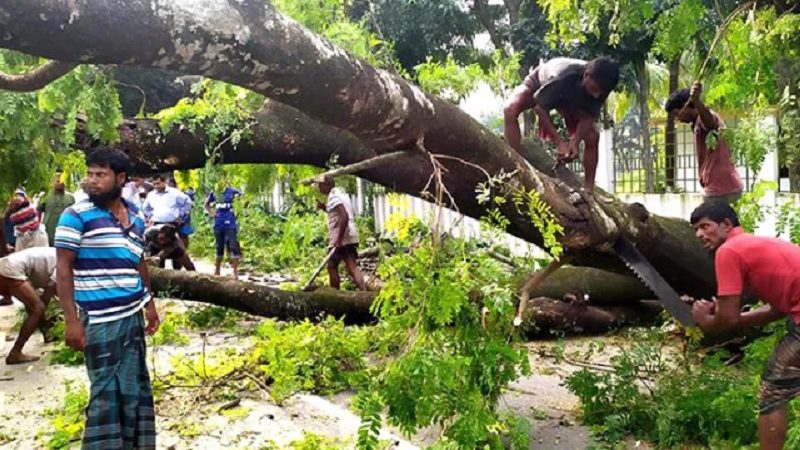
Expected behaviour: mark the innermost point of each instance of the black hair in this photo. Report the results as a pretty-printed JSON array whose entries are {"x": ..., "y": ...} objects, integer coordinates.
[
  {"x": 715, "y": 210},
  {"x": 116, "y": 160},
  {"x": 160, "y": 177},
  {"x": 677, "y": 100},
  {"x": 605, "y": 72}
]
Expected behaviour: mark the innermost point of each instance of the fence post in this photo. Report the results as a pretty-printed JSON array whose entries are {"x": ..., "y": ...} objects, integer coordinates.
[
  {"x": 605, "y": 161},
  {"x": 359, "y": 197},
  {"x": 769, "y": 172}
]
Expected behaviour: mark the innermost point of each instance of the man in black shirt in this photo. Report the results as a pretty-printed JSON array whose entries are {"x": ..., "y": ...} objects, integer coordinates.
[{"x": 577, "y": 90}]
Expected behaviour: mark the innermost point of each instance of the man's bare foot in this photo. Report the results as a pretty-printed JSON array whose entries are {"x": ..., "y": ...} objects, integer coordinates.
[{"x": 20, "y": 358}]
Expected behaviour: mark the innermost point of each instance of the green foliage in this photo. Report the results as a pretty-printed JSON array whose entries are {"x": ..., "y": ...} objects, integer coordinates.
[
  {"x": 749, "y": 206},
  {"x": 422, "y": 28},
  {"x": 66, "y": 423},
  {"x": 310, "y": 441},
  {"x": 789, "y": 221},
  {"x": 329, "y": 18},
  {"x": 369, "y": 406},
  {"x": 504, "y": 73},
  {"x": 451, "y": 369},
  {"x": 169, "y": 331},
  {"x": 677, "y": 27},
  {"x": 746, "y": 58},
  {"x": 448, "y": 79},
  {"x": 750, "y": 140},
  {"x": 220, "y": 110},
  {"x": 66, "y": 356},
  {"x": 28, "y": 139},
  {"x": 322, "y": 358},
  {"x": 62, "y": 354},
  {"x": 497, "y": 189},
  {"x": 206, "y": 317},
  {"x": 688, "y": 398}
]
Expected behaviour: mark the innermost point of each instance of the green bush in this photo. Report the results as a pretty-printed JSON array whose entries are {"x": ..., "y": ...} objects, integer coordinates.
[
  {"x": 67, "y": 422},
  {"x": 695, "y": 399}
]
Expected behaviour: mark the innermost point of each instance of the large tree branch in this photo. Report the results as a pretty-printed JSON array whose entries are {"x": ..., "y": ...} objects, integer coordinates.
[
  {"x": 281, "y": 134},
  {"x": 36, "y": 78},
  {"x": 543, "y": 317},
  {"x": 247, "y": 42},
  {"x": 481, "y": 9}
]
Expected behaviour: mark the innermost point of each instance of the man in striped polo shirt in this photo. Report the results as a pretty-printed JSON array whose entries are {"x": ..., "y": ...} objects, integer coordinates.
[{"x": 100, "y": 267}]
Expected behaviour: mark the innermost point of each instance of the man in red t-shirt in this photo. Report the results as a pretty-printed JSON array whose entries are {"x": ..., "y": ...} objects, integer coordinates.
[
  {"x": 767, "y": 269},
  {"x": 718, "y": 175}
]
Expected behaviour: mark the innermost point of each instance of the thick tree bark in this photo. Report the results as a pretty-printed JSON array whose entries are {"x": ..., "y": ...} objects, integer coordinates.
[
  {"x": 247, "y": 42},
  {"x": 544, "y": 317},
  {"x": 262, "y": 300},
  {"x": 602, "y": 287}
]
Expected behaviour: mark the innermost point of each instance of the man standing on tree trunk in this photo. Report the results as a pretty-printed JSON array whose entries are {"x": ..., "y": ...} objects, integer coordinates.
[
  {"x": 718, "y": 175},
  {"x": 101, "y": 268},
  {"x": 577, "y": 90},
  {"x": 342, "y": 233},
  {"x": 768, "y": 269}
]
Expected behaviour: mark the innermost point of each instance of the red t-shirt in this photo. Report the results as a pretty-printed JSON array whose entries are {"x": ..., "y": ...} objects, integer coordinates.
[
  {"x": 767, "y": 268},
  {"x": 718, "y": 174}
]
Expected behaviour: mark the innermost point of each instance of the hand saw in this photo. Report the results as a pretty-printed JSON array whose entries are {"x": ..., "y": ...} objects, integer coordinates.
[{"x": 637, "y": 263}]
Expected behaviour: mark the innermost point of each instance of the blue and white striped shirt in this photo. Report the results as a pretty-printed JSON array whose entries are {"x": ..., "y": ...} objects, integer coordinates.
[{"x": 108, "y": 285}]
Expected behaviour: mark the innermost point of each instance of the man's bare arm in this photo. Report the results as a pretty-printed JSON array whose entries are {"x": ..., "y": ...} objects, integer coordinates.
[{"x": 65, "y": 284}]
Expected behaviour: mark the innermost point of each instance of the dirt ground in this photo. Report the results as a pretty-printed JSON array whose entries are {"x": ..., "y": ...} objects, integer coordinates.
[{"x": 28, "y": 391}]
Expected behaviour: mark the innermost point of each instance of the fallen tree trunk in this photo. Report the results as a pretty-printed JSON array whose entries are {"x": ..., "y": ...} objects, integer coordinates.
[
  {"x": 249, "y": 43},
  {"x": 261, "y": 300},
  {"x": 544, "y": 317},
  {"x": 547, "y": 317},
  {"x": 601, "y": 286}
]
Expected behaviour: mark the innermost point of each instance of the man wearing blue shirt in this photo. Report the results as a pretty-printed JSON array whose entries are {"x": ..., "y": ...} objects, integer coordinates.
[
  {"x": 101, "y": 269},
  {"x": 226, "y": 229}
]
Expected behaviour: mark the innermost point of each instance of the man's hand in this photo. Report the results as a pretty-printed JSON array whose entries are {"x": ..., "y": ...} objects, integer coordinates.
[
  {"x": 153, "y": 322},
  {"x": 703, "y": 311},
  {"x": 695, "y": 91},
  {"x": 74, "y": 336},
  {"x": 564, "y": 151}
]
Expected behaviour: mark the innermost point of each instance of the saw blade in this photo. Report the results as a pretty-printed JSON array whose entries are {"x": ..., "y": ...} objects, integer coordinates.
[{"x": 648, "y": 275}]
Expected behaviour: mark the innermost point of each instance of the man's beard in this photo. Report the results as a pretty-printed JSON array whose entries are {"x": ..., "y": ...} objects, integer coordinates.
[{"x": 105, "y": 197}]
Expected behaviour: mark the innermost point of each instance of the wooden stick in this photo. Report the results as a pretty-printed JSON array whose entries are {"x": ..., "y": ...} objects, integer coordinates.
[{"x": 356, "y": 167}]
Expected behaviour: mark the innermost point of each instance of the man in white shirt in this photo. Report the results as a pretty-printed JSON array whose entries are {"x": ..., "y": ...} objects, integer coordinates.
[
  {"x": 342, "y": 233},
  {"x": 165, "y": 204},
  {"x": 21, "y": 274}
]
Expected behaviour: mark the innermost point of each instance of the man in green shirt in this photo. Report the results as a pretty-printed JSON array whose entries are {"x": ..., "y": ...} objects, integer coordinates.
[{"x": 53, "y": 205}]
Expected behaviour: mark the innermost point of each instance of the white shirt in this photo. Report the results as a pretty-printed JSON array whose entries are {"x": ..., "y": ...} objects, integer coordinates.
[
  {"x": 79, "y": 195},
  {"x": 35, "y": 264},
  {"x": 167, "y": 206},
  {"x": 335, "y": 198}
]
